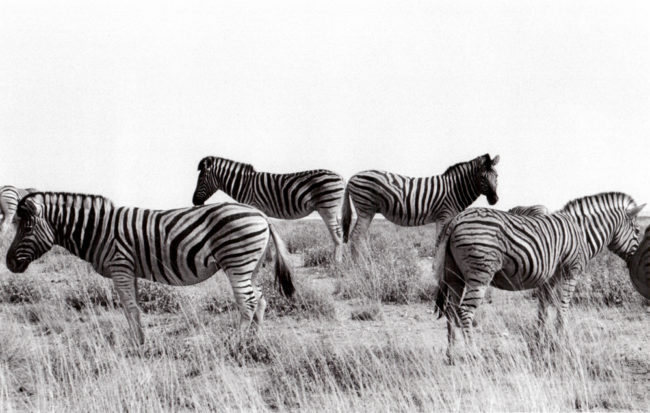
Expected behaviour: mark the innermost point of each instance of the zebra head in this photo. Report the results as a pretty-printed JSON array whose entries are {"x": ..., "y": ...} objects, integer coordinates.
[
  {"x": 34, "y": 236},
  {"x": 207, "y": 183},
  {"x": 487, "y": 178},
  {"x": 625, "y": 240}
]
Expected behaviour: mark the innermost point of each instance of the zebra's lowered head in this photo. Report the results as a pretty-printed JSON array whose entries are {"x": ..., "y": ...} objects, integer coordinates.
[
  {"x": 34, "y": 236},
  {"x": 487, "y": 178},
  {"x": 218, "y": 174}
]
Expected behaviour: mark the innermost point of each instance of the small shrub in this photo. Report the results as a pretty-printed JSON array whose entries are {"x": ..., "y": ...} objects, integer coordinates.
[
  {"x": 20, "y": 289},
  {"x": 317, "y": 256},
  {"x": 159, "y": 298},
  {"x": 91, "y": 293}
]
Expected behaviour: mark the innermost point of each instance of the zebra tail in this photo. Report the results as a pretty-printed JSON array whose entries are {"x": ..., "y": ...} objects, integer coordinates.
[
  {"x": 346, "y": 215},
  {"x": 283, "y": 269},
  {"x": 443, "y": 287}
]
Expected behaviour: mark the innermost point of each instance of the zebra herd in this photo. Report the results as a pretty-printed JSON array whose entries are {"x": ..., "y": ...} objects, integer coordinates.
[{"x": 523, "y": 248}]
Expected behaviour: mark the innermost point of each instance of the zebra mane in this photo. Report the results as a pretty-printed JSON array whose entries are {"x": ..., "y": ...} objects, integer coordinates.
[
  {"x": 213, "y": 160},
  {"x": 460, "y": 165},
  {"x": 618, "y": 199},
  {"x": 69, "y": 198}
]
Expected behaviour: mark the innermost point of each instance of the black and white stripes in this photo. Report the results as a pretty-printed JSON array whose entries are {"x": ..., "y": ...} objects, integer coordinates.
[
  {"x": 411, "y": 201},
  {"x": 175, "y": 247},
  {"x": 515, "y": 252},
  {"x": 285, "y": 196}
]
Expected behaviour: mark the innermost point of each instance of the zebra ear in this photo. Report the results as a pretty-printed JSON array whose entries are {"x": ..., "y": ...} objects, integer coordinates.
[
  {"x": 495, "y": 160},
  {"x": 29, "y": 208},
  {"x": 634, "y": 211}
]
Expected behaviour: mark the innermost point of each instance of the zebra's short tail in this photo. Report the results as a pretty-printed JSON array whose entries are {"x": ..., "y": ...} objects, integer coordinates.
[
  {"x": 283, "y": 270},
  {"x": 443, "y": 286},
  {"x": 346, "y": 215}
]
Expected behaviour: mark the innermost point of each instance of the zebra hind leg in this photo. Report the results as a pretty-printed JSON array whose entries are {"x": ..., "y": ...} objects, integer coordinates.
[
  {"x": 474, "y": 293},
  {"x": 258, "y": 317},
  {"x": 245, "y": 296},
  {"x": 359, "y": 244},
  {"x": 329, "y": 216}
]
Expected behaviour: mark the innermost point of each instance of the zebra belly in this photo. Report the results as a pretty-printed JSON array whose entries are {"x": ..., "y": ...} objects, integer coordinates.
[{"x": 182, "y": 273}]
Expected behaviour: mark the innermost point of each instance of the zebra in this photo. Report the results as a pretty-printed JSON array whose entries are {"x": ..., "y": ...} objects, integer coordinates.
[
  {"x": 175, "y": 247},
  {"x": 516, "y": 252},
  {"x": 408, "y": 201},
  {"x": 9, "y": 198},
  {"x": 285, "y": 196},
  {"x": 639, "y": 266}
]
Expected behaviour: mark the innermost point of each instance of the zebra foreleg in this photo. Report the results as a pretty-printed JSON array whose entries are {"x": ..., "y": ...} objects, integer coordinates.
[
  {"x": 125, "y": 285},
  {"x": 329, "y": 216},
  {"x": 566, "y": 287}
]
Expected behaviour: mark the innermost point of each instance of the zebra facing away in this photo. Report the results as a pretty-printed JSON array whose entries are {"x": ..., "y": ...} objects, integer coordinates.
[
  {"x": 9, "y": 198},
  {"x": 517, "y": 252},
  {"x": 285, "y": 196},
  {"x": 639, "y": 266},
  {"x": 408, "y": 201},
  {"x": 175, "y": 247}
]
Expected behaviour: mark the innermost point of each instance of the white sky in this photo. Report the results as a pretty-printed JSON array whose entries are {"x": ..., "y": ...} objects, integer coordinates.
[{"x": 124, "y": 100}]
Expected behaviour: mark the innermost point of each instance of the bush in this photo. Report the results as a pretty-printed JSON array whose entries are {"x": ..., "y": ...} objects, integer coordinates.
[
  {"x": 158, "y": 298},
  {"x": 20, "y": 289},
  {"x": 318, "y": 256},
  {"x": 90, "y": 293},
  {"x": 390, "y": 274}
]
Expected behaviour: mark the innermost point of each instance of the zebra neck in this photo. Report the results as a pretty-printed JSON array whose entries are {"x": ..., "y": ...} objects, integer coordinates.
[
  {"x": 460, "y": 188},
  {"x": 83, "y": 228},
  {"x": 235, "y": 180},
  {"x": 597, "y": 231}
]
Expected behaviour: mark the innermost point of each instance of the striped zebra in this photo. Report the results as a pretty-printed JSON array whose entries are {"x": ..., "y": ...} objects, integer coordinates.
[
  {"x": 9, "y": 198},
  {"x": 639, "y": 266},
  {"x": 408, "y": 201},
  {"x": 517, "y": 252},
  {"x": 174, "y": 247},
  {"x": 285, "y": 196}
]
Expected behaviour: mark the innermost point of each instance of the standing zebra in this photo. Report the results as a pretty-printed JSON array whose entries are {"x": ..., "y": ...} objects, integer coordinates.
[
  {"x": 175, "y": 247},
  {"x": 639, "y": 266},
  {"x": 285, "y": 196},
  {"x": 9, "y": 198},
  {"x": 516, "y": 252},
  {"x": 408, "y": 201}
]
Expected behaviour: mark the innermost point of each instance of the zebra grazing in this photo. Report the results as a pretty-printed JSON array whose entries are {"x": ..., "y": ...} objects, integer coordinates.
[
  {"x": 517, "y": 252},
  {"x": 639, "y": 266},
  {"x": 411, "y": 202},
  {"x": 286, "y": 196},
  {"x": 175, "y": 247},
  {"x": 9, "y": 198},
  {"x": 531, "y": 210}
]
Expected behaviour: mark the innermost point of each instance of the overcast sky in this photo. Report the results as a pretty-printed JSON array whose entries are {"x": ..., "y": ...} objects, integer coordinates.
[{"x": 124, "y": 98}]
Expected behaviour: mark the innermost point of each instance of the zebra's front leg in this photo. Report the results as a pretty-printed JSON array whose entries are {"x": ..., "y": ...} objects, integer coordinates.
[
  {"x": 566, "y": 287},
  {"x": 126, "y": 287},
  {"x": 330, "y": 217}
]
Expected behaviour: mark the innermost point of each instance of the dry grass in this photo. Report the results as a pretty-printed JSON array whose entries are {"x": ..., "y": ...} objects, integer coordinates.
[{"x": 343, "y": 354}]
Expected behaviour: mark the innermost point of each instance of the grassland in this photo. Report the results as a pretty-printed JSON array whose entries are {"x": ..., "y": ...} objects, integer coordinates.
[{"x": 357, "y": 338}]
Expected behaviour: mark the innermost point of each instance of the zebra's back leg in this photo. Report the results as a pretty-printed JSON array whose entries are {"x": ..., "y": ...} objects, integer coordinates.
[
  {"x": 126, "y": 287},
  {"x": 330, "y": 217},
  {"x": 359, "y": 245},
  {"x": 245, "y": 295}
]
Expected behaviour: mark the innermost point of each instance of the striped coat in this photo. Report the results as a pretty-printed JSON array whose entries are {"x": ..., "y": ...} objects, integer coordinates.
[
  {"x": 174, "y": 247},
  {"x": 408, "y": 201},
  {"x": 639, "y": 266},
  {"x": 285, "y": 196},
  {"x": 515, "y": 252}
]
